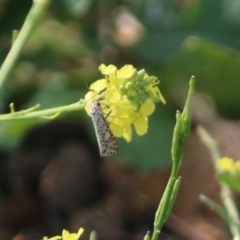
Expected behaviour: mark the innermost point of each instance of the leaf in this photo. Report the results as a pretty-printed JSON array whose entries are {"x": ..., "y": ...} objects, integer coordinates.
[
  {"x": 229, "y": 180},
  {"x": 220, "y": 210},
  {"x": 53, "y": 93}
]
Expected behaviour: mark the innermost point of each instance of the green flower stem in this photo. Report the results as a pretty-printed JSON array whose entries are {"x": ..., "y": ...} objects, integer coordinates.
[
  {"x": 176, "y": 187},
  {"x": 225, "y": 194},
  {"x": 33, "y": 17},
  {"x": 147, "y": 236},
  {"x": 187, "y": 111},
  {"x": 30, "y": 113},
  {"x": 14, "y": 35},
  {"x": 180, "y": 135},
  {"x": 176, "y": 150},
  {"x": 93, "y": 235}
]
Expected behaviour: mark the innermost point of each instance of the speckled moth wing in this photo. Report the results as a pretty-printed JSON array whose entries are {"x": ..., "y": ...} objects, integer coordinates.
[{"x": 106, "y": 141}]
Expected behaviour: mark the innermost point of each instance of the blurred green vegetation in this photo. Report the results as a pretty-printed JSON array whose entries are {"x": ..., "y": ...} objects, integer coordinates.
[{"x": 171, "y": 39}]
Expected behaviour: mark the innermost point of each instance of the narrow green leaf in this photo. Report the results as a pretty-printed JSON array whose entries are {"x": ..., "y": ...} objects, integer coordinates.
[
  {"x": 229, "y": 180},
  {"x": 220, "y": 210}
]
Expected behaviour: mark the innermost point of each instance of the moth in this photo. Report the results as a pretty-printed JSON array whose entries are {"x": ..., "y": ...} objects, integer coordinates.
[{"x": 107, "y": 143}]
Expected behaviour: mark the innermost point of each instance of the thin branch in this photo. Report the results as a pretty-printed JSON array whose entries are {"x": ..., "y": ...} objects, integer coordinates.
[
  {"x": 35, "y": 14},
  {"x": 50, "y": 113}
]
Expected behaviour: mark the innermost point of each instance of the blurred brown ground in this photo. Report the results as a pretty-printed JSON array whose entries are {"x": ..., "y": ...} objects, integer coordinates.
[{"x": 49, "y": 185}]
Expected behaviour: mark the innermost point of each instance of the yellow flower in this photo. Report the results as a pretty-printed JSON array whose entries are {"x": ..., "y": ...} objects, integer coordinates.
[
  {"x": 71, "y": 236},
  {"x": 66, "y": 235},
  {"x": 226, "y": 164},
  {"x": 127, "y": 97}
]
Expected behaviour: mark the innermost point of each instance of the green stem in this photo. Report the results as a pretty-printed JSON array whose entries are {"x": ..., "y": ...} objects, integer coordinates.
[
  {"x": 14, "y": 35},
  {"x": 164, "y": 205},
  {"x": 33, "y": 17},
  {"x": 180, "y": 135},
  {"x": 163, "y": 208},
  {"x": 173, "y": 197},
  {"x": 30, "y": 113},
  {"x": 93, "y": 235}
]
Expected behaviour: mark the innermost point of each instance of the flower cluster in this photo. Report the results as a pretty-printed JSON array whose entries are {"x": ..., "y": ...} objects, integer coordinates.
[
  {"x": 66, "y": 235},
  {"x": 230, "y": 166},
  {"x": 127, "y": 97}
]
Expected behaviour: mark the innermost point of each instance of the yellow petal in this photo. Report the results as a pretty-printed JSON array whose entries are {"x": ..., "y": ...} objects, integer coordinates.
[
  {"x": 80, "y": 232},
  {"x": 69, "y": 236},
  {"x": 106, "y": 70},
  {"x": 99, "y": 85},
  {"x": 65, "y": 234},
  {"x": 112, "y": 95},
  {"x": 126, "y": 72},
  {"x": 117, "y": 121},
  {"x": 119, "y": 113},
  {"x": 124, "y": 109},
  {"x": 127, "y": 133},
  {"x": 125, "y": 103},
  {"x": 147, "y": 108},
  {"x": 89, "y": 98},
  {"x": 226, "y": 164},
  {"x": 141, "y": 126},
  {"x": 116, "y": 130}
]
